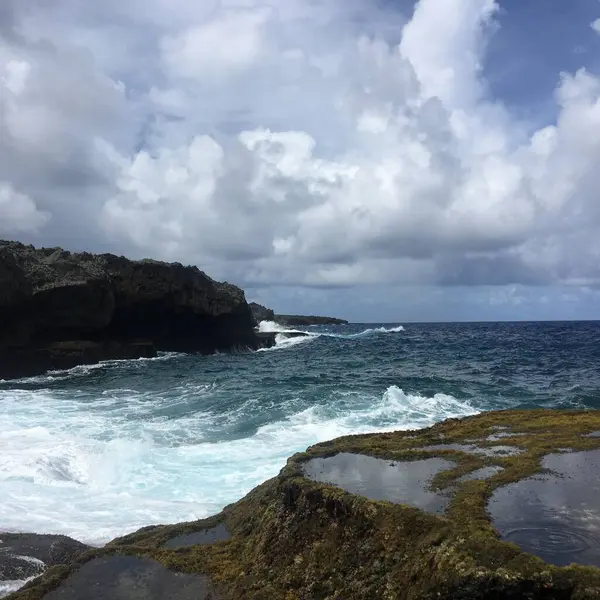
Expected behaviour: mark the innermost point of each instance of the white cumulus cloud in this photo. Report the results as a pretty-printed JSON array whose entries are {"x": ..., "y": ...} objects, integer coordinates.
[{"x": 293, "y": 143}]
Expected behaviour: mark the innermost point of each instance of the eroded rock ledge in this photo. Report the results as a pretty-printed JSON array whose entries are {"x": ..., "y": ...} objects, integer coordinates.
[
  {"x": 59, "y": 309},
  {"x": 428, "y": 518},
  {"x": 262, "y": 313}
]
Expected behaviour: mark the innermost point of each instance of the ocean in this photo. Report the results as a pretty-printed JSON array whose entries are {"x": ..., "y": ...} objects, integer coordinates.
[{"x": 100, "y": 451}]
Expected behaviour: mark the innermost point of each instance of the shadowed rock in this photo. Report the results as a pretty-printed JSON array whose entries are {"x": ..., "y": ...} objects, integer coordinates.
[
  {"x": 24, "y": 555},
  {"x": 59, "y": 309},
  {"x": 131, "y": 578}
]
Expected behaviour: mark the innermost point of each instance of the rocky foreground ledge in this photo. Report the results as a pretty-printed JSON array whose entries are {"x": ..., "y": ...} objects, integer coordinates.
[
  {"x": 497, "y": 506},
  {"x": 60, "y": 309}
]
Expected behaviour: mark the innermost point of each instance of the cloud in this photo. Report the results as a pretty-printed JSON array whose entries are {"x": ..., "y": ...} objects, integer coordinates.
[
  {"x": 323, "y": 144},
  {"x": 19, "y": 212},
  {"x": 595, "y": 25}
]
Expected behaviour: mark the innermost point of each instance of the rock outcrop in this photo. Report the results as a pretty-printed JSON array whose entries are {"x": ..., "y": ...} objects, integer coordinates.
[
  {"x": 262, "y": 313},
  {"x": 27, "y": 555},
  {"x": 302, "y": 320},
  {"x": 59, "y": 309},
  {"x": 413, "y": 515}
]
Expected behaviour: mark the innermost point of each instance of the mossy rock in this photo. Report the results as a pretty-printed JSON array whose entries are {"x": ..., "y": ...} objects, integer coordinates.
[{"x": 293, "y": 538}]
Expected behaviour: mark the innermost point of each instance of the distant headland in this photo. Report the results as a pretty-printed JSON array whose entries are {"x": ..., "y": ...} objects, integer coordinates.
[{"x": 261, "y": 313}]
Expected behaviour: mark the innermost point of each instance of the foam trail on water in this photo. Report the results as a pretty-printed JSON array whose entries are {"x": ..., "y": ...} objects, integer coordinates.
[
  {"x": 283, "y": 341},
  {"x": 83, "y": 370},
  {"x": 272, "y": 327},
  {"x": 96, "y": 467}
]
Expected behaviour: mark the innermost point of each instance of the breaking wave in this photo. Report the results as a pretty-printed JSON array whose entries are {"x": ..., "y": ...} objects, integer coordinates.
[
  {"x": 286, "y": 337},
  {"x": 69, "y": 458}
]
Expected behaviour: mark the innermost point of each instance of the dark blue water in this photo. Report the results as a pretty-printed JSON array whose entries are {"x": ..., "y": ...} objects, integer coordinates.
[{"x": 98, "y": 451}]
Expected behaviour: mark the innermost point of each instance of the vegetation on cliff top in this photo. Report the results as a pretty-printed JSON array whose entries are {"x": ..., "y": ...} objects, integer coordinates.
[{"x": 296, "y": 539}]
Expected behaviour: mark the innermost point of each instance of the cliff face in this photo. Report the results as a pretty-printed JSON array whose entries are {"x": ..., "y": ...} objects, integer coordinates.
[
  {"x": 59, "y": 309},
  {"x": 502, "y": 505},
  {"x": 261, "y": 313}
]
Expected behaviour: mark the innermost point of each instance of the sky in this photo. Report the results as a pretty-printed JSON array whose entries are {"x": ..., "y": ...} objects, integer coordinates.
[{"x": 378, "y": 160}]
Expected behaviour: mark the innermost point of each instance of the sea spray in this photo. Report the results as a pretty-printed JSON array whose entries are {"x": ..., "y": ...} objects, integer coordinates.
[{"x": 96, "y": 452}]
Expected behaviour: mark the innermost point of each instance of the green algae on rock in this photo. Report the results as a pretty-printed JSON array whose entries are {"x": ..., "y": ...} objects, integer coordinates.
[{"x": 293, "y": 538}]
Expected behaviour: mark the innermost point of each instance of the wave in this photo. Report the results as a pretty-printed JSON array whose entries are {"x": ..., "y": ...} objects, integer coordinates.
[
  {"x": 287, "y": 337},
  {"x": 83, "y": 370},
  {"x": 398, "y": 329},
  {"x": 282, "y": 341},
  {"x": 66, "y": 464}
]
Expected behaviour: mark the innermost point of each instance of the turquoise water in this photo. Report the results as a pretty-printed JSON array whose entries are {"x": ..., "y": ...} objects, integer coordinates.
[{"x": 99, "y": 451}]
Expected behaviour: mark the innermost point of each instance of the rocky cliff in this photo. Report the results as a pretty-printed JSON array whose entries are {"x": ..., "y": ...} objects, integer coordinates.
[
  {"x": 503, "y": 505},
  {"x": 59, "y": 309},
  {"x": 262, "y": 313}
]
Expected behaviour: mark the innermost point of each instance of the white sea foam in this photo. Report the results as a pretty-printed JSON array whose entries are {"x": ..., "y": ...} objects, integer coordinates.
[
  {"x": 299, "y": 336},
  {"x": 9, "y": 586},
  {"x": 94, "y": 467},
  {"x": 83, "y": 370}
]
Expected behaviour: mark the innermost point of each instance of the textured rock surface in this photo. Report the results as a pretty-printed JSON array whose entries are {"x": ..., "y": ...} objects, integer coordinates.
[
  {"x": 262, "y": 313},
  {"x": 107, "y": 306},
  {"x": 24, "y": 555},
  {"x": 301, "y": 320},
  {"x": 294, "y": 538},
  {"x": 131, "y": 578}
]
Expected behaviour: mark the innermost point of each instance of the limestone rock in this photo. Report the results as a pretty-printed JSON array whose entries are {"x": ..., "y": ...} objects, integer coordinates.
[
  {"x": 398, "y": 516},
  {"x": 107, "y": 307}
]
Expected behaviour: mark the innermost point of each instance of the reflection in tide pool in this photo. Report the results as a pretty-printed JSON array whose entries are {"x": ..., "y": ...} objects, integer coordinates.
[
  {"x": 555, "y": 516},
  {"x": 378, "y": 479}
]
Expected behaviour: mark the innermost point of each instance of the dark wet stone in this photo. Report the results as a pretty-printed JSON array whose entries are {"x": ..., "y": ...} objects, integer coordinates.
[
  {"x": 24, "y": 555},
  {"x": 483, "y": 473},
  {"x": 378, "y": 479},
  {"x": 472, "y": 449},
  {"x": 554, "y": 515},
  {"x": 131, "y": 578},
  {"x": 219, "y": 533}
]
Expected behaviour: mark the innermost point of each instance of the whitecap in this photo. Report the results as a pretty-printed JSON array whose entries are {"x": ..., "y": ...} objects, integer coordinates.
[{"x": 67, "y": 467}]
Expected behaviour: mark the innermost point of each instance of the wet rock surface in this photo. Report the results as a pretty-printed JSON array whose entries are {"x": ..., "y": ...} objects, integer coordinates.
[
  {"x": 379, "y": 479},
  {"x": 320, "y": 530},
  {"x": 219, "y": 533},
  {"x": 554, "y": 515},
  {"x": 483, "y": 473},
  {"x": 24, "y": 555},
  {"x": 131, "y": 578}
]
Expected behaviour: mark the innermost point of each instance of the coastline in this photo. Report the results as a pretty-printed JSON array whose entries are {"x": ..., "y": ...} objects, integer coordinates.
[{"x": 290, "y": 537}]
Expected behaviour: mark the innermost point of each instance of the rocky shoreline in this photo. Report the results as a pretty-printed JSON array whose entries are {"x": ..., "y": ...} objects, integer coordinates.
[
  {"x": 500, "y": 505},
  {"x": 262, "y": 313},
  {"x": 60, "y": 309}
]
